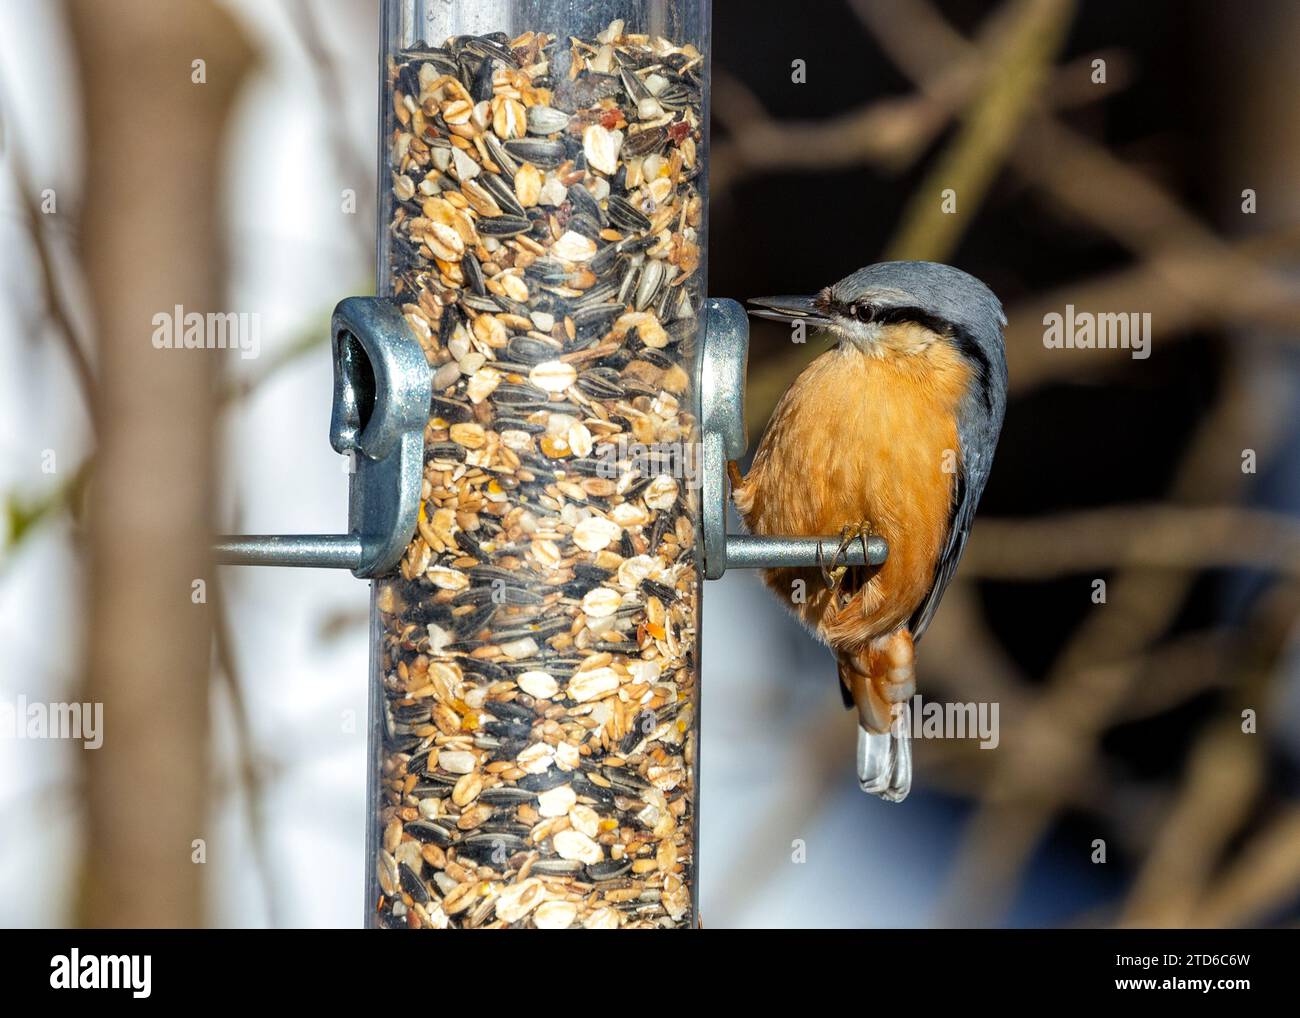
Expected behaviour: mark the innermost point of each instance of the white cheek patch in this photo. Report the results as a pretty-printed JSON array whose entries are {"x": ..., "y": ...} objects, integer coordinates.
[
  {"x": 880, "y": 340},
  {"x": 864, "y": 335}
]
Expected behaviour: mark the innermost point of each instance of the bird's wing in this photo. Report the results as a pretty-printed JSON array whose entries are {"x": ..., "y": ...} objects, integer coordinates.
[
  {"x": 963, "y": 514},
  {"x": 979, "y": 421}
]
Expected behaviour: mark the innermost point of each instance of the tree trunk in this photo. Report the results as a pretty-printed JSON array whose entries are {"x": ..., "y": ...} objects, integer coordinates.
[{"x": 150, "y": 243}]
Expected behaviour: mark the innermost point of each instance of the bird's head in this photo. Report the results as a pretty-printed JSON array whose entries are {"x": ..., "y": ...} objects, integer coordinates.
[{"x": 900, "y": 307}]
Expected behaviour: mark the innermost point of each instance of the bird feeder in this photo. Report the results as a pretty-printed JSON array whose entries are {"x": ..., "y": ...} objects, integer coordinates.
[{"x": 539, "y": 406}]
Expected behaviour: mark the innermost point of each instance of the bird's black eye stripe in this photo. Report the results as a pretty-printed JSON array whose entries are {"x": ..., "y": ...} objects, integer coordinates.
[
  {"x": 868, "y": 312},
  {"x": 898, "y": 315}
]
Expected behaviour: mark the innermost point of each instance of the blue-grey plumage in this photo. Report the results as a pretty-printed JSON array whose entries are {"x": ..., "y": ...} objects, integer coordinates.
[{"x": 920, "y": 367}]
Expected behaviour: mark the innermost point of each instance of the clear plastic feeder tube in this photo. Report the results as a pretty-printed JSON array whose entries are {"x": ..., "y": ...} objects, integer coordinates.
[{"x": 536, "y": 656}]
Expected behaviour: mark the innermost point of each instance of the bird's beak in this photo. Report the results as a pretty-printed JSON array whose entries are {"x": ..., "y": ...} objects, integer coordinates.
[{"x": 789, "y": 309}]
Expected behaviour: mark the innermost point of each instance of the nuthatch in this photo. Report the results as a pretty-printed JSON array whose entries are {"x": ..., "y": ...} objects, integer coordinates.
[{"x": 891, "y": 433}]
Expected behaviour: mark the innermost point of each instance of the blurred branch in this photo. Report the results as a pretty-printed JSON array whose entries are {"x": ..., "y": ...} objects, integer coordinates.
[
  {"x": 1224, "y": 777},
  {"x": 1172, "y": 673},
  {"x": 1076, "y": 172},
  {"x": 1132, "y": 209},
  {"x": 964, "y": 658},
  {"x": 1094, "y": 675},
  {"x": 49, "y": 285},
  {"x": 1149, "y": 285},
  {"x": 1265, "y": 873},
  {"x": 887, "y": 133},
  {"x": 351, "y": 161},
  {"x": 1179, "y": 670},
  {"x": 917, "y": 38},
  {"x": 1018, "y": 69},
  {"x": 1156, "y": 536},
  {"x": 1221, "y": 782}
]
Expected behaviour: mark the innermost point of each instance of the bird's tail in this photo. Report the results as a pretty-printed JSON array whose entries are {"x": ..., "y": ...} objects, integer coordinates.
[{"x": 884, "y": 731}]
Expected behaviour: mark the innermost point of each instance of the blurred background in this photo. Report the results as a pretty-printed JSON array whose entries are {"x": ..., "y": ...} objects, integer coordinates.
[{"x": 1111, "y": 156}]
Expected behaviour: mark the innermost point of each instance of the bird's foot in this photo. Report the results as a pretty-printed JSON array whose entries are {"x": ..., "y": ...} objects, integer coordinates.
[{"x": 834, "y": 570}]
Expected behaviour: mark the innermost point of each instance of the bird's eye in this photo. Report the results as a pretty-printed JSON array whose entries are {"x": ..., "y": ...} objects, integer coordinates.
[{"x": 864, "y": 312}]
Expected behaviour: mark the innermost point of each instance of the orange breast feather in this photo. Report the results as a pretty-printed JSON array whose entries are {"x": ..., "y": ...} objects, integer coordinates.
[{"x": 857, "y": 440}]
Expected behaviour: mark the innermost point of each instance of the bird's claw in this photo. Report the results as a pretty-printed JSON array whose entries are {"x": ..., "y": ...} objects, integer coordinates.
[{"x": 833, "y": 574}]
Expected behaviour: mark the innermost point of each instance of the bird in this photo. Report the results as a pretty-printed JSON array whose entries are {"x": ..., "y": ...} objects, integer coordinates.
[{"x": 890, "y": 433}]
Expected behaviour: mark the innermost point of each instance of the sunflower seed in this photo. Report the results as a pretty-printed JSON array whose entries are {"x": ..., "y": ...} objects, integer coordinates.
[
  {"x": 546, "y": 120},
  {"x": 538, "y": 151},
  {"x": 647, "y": 287},
  {"x": 623, "y": 214}
]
